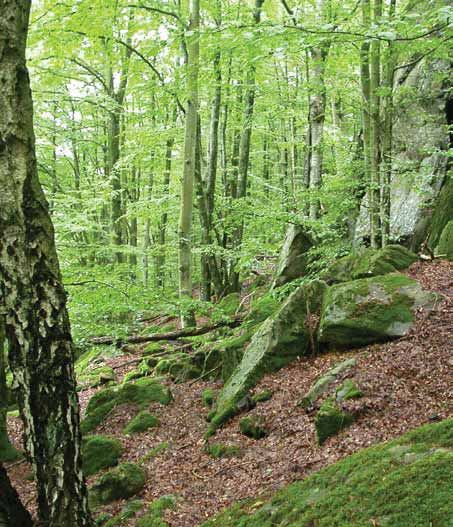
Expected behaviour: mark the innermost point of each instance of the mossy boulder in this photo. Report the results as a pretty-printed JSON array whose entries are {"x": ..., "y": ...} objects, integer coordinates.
[
  {"x": 262, "y": 397},
  {"x": 366, "y": 488},
  {"x": 371, "y": 310},
  {"x": 253, "y": 427},
  {"x": 142, "y": 392},
  {"x": 366, "y": 263},
  {"x": 141, "y": 422},
  {"x": 323, "y": 383},
  {"x": 279, "y": 341},
  {"x": 122, "y": 482},
  {"x": 7, "y": 451},
  {"x": 179, "y": 366},
  {"x": 443, "y": 213},
  {"x": 218, "y": 450},
  {"x": 330, "y": 419},
  {"x": 445, "y": 246},
  {"x": 348, "y": 390},
  {"x": 100, "y": 452},
  {"x": 208, "y": 397}
]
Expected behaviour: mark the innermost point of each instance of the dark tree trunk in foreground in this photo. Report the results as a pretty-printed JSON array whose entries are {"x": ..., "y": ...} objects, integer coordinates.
[
  {"x": 12, "y": 512},
  {"x": 37, "y": 324}
]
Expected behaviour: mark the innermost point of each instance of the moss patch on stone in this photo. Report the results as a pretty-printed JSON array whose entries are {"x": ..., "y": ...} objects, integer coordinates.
[
  {"x": 141, "y": 422},
  {"x": 153, "y": 518},
  {"x": 253, "y": 427},
  {"x": 208, "y": 397},
  {"x": 443, "y": 213},
  {"x": 330, "y": 420},
  {"x": 263, "y": 396},
  {"x": 279, "y": 341},
  {"x": 348, "y": 390},
  {"x": 445, "y": 245},
  {"x": 122, "y": 482},
  {"x": 100, "y": 452},
  {"x": 371, "y": 310},
  {"x": 142, "y": 392},
  {"x": 323, "y": 383},
  {"x": 179, "y": 366},
  {"x": 371, "y": 486},
  {"x": 366, "y": 263}
]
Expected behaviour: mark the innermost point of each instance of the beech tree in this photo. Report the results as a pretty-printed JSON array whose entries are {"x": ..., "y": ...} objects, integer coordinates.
[{"x": 41, "y": 352}]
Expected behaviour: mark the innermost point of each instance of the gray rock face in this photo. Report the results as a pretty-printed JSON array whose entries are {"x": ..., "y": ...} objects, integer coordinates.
[
  {"x": 421, "y": 143},
  {"x": 292, "y": 260}
]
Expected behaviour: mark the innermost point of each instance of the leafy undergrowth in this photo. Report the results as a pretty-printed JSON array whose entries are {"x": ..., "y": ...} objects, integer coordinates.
[
  {"x": 405, "y": 385},
  {"x": 404, "y": 482}
]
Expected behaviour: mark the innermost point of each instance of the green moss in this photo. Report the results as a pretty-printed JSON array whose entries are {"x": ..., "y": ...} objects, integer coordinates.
[
  {"x": 445, "y": 246},
  {"x": 178, "y": 366},
  {"x": 218, "y": 450},
  {"x": 208, "y": 397},
  {"x": 365, "y": 263},
  {"x": 323, "y": 383},
  {"x": 141, "y": 422},
  {"x": 262, "y": 396},
  {"x": 330, "y": 420},
  {"x": 153, "y": 348},
  {"x": 262, "y": 308},
  {"x": 443, "y": 213},
  {"x": 371, "y": 310},
  {"x": 154, "y": 517},
  {"x": 102, "y": 519},
  {"x": 129, "y": 511},
  {"x": 227, "y": 307},
  {"x": 7, "y": 451},
  {"x": 369, "y": 487},
  {"x": 142, "y": 392},
  {"x": 348, "y": 390},
  {"x": 252, "y": 427},
  {"x": 100, "y": 452},
  {"x": 280, "y": 340},
  {"x": 122, "y": 482},
  {"x": 96, "y": 416}
]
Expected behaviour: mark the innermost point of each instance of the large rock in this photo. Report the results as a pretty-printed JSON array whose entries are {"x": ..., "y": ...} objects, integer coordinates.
[
  {"x": 293, "y": 256},
  {"x": 445, "y": 246},
  {"x": 371, "y": 310},
  {"x": 421, "y": 143},
  {"x": 281, "y": 339},
  {"x": 365, "y": 263},
  {"x": 122, "y": 482}
]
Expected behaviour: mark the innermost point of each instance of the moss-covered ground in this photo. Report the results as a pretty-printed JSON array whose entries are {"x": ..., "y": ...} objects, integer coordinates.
[{"x": 406, "y": 482}]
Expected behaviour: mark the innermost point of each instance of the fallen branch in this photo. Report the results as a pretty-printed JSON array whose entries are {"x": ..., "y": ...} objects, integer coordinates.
[{"x": 174, "y": 335}]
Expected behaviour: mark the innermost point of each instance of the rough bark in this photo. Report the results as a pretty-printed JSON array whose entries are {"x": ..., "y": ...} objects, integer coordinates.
[{"x": 37, "y": 325}]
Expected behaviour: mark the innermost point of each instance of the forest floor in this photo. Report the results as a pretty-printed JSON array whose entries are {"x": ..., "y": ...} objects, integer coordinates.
[{"x": 406, "y": 383}]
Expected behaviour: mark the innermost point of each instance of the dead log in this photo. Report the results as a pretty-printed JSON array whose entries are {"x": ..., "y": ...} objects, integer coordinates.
[{"x": 173, "y": 335}]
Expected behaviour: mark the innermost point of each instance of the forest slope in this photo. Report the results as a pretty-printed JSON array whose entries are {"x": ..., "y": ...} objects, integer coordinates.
[{"x": 405, "y": 385}]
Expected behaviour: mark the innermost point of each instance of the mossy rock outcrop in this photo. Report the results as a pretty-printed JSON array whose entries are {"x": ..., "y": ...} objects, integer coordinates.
[
  {"x": 293, "y": 257},
  {"x": 323, "y": 383},
  {"x": 141, "y": 393},
  {"x": 280, "y": 340},
  {"x": 366, "y": 263},
  {"x": 445, "y": 246},
  {"x": 179, "y": 366},
  {"x": 372, "y": 487},
  {"x": 371, "y": 310},
  {"x": 141, "y": 422},
  {"x": 100, "y": 452},
  {"x": 443, "y": 213},
  {"x": 330, "y": 419},
  {"x": 122, "y": 482}
]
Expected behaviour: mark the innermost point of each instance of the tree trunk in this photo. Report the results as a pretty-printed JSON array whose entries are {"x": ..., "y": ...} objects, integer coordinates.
[
  {"x": 387, "y": 135},
  {"x": 190, "y": 141},
  {"x": 375, "y": 132},
  {"x": 12, "y": 512},
  {"x": 7, "y": 451},
  {"x": 366, "y": 96},
  {"x": 37, "y": 325}
]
